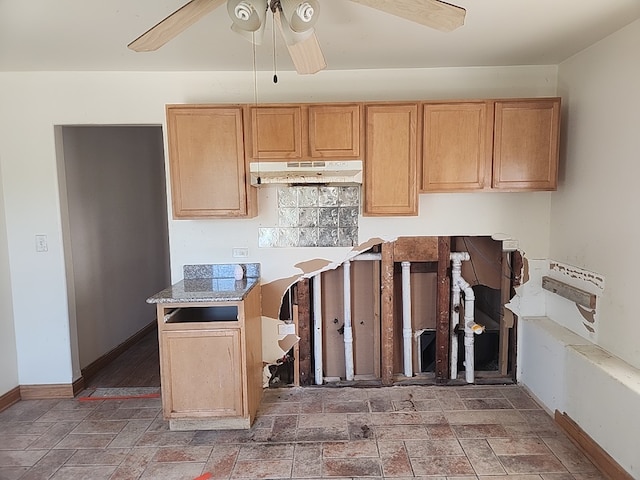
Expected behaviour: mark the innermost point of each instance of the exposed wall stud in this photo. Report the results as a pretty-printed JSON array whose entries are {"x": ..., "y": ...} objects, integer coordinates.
[
  {"x": 303, "y": 301},
  {"x": 387, "y": 313},
  {"x": 442, "y": 327}
]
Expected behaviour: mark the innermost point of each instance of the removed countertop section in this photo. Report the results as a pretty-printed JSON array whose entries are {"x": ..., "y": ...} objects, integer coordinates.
[{"x": 210, "y": 283}]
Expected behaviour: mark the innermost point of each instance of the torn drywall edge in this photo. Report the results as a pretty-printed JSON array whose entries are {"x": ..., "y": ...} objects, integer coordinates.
[
  {"x": 529, "y": 300},
  {"x": 578, "y": 277},
  {"x": 273, "y": 292},
  {"x": 288, "y": 342}
]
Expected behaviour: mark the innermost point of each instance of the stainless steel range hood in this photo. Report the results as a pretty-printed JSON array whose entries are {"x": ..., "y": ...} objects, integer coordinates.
[{"x": 345, "y": 172}]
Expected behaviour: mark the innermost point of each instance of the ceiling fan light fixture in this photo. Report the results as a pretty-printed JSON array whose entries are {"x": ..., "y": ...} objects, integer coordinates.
[
  {"x": 253, "y": 37},
  {"x": 247, "y": 15},
  {"x": 301, "y": 15}
]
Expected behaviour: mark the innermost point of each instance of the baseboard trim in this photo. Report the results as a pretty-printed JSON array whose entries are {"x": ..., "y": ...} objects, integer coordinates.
[
  {"x": 94, "y": 367},
  {"x": 78, "y": 385},
  {"x": 601, "y": 459},
  {"x": 9, "y": 398},
  {"x": 40, "y": 392}
]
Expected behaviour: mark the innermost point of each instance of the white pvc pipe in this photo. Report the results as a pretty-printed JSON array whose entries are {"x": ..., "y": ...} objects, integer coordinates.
[
  {"x": 470, "y": 326},
  {"x": 367, "y": 256},
  {"x": 469, "y": 348},
  {"x": 348, "y": 333},
  {"x": 317, "y": 329},
  {"x": 455, "y": 318},
  {"x": 407, "y": 336}
]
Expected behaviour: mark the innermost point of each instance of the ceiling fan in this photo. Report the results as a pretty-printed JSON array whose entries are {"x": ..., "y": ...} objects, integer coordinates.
[{"x": 295, "y": 20}]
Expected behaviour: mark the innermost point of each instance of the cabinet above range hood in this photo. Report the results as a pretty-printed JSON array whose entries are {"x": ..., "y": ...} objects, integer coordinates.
[{"x": 343, "y": 172}]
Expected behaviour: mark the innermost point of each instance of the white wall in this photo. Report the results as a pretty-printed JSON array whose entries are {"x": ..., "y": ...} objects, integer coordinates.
[
  {"x": 594, "y": 230},
  {"x": 32, "y": 103},
  {"x": 8, "y": 355},
  {"x": 594, "y": 213}
]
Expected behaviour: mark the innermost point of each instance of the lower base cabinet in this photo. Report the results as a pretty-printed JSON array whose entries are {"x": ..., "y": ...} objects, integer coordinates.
[{"x": 211, "y": 363}]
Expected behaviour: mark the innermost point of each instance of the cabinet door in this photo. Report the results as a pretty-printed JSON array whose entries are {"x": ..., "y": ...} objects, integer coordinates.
[
  {"x": 202, "y": 373},
  {"x": 276, "y": 133},
  {"x": 457, "y": 146},
  {"x": 390, "y": 185},
  {"x": 526, "y": 136},
  {"x": 207, "y": 164},
  {"x": 334, "y": 131}
]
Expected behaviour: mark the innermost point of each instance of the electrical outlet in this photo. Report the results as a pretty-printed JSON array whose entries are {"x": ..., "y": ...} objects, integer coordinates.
[
  {"x": 509, "y": 245},
  {"x": 240, "y": 252},
  {"x": 41, "y": 243},
  {"x": 286, "y": 329}
]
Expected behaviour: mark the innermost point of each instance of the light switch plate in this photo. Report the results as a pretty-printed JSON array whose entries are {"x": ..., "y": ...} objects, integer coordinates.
[{"x": 41, "y": 243}]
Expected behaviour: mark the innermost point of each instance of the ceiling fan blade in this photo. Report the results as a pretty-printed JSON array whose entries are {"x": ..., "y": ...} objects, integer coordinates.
[
  {"x": 173, "y": 25},
  {"x": 431, "y": 13},
  {"x": 306, "y": 55}
]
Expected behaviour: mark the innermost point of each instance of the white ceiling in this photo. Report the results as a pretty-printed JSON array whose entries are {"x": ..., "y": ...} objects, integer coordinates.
[{"x": 93, "y": 35}]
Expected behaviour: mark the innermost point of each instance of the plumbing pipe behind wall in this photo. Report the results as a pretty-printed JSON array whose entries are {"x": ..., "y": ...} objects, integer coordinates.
[
  {"x": 471, "y": 328},
  {"x": 406, "y": 319},
  {"x": 348, "y": 332},
  {"x": 317, "y": 328},
  {"x": 455, "y": 320}
]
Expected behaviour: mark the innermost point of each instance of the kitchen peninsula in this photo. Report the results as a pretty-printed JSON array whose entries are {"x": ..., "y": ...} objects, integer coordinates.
[{"x": 210, "y": 336}]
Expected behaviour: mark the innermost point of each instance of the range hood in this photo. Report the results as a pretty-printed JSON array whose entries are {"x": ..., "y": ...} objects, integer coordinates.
[{"x": 343, "y": 172}]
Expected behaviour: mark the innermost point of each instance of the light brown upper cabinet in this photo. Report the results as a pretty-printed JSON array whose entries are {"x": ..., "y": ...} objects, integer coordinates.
[
  {"x": 390, "y": 185},
  {"x": 526, "y": 138},
  {"x": 304, "y": 132},
  {"x": 456, "y": 146},
  {"x": 334, "y": 131},
  {"x": 207, "y": 162},
  {"x": 508, "y": 145},
  {"x": 276, "y": 133}
]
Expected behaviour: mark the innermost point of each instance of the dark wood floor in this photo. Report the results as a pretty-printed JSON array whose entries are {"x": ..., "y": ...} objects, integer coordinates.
[{"x": 138, "y": 366}]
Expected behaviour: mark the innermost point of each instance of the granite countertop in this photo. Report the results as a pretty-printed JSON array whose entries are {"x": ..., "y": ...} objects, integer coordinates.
[{"x": 210, "y": 283}]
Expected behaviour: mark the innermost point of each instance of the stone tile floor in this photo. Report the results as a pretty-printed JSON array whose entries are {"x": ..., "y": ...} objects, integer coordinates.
[{"x": 463, "y": 433}]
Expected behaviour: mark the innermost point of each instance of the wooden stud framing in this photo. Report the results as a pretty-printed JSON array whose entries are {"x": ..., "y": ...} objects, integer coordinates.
[
  {"x": 303, "y": 300},
  {"x": 376, "y": 318},
  {"x": 387, "y": 314},
  {"x": 443, "y": 299},
  {"x": 518, "y": 276},
  {"x": 415, "y": 249},
  {"x": 506, "y": 316},
  {"x": 569, "y": 292}
]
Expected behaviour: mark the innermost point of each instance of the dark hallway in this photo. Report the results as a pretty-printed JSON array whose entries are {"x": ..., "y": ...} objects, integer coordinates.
[{"x": 138, "y": 366}]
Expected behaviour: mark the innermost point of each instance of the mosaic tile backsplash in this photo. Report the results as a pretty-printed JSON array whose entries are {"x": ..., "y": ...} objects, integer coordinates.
[{"x": 314, "y": 216}]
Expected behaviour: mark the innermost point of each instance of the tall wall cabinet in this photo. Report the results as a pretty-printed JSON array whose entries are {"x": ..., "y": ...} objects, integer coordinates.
[
  {"x": 390, "y": 185},
  {"x": 207, "y": 160}
]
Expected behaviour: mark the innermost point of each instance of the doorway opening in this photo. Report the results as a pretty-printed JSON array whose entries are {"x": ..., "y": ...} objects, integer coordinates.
[{"x": 115, "y": 236}]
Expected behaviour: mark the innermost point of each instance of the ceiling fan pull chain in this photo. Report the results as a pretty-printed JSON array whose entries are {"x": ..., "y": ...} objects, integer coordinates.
[{"x": 275, "y": 69}]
